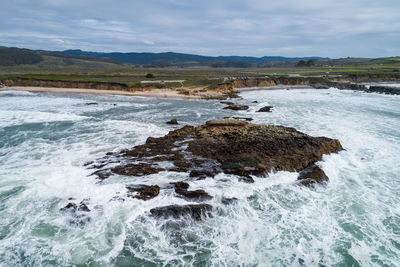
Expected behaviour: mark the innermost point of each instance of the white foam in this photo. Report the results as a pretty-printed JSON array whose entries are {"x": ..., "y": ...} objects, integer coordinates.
[{"x": 273, "y": 222}]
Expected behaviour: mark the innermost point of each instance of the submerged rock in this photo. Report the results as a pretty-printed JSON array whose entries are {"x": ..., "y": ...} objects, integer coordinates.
[
  {"x": 197, "y": 211},
  {"x": 228, "y": 146},
  {"x": 265, "y": 109},
  {"x": 312, "y": 175},
  {"x": 173, "y": 121},
  {"x": 78, "y": 213}
]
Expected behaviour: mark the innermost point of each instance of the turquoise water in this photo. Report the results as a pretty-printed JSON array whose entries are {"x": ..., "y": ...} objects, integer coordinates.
[{"x": 45, "y": 139}]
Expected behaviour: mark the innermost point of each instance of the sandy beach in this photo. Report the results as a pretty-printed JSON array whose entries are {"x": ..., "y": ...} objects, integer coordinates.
[{"x": 157, "y": 93}]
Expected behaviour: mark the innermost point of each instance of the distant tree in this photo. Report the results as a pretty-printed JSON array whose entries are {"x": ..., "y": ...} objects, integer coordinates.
[
  {"x": 303, "y": 63},
  {"x": 149, "y": 76}
]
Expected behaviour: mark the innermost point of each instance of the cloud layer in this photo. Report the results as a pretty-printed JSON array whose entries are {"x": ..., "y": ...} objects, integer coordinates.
[{"x": 334, "y": 28}]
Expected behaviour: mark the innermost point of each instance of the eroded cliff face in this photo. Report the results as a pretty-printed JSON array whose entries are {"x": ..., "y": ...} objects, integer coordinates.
[{"x": 67, "y": 84}]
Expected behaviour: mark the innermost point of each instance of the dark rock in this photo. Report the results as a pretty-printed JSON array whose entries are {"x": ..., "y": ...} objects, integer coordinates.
[
  {"x": 181, "y": 188},
  {"x": 265, "y": 109},
  {"x": 385, "y": 90},
  {"x": 312, "y": 175},
  {"x": 138, "y": 169},
  {"x": 91, "y": 103},
  {"x": 237, "y": 107},
  {"x": 70, "y": 207},
  {"x": 83, "y": 207},
  {"x": 255, "y": 101},
  {"x": 180, "y": 185},
  {"x": 173, "y": 121},
  {"x": 88, "y": 163},
  {"x": 201, "y": 173},
  {"x": 144, "y": 192},
  {"x": 196, "y": 211}
]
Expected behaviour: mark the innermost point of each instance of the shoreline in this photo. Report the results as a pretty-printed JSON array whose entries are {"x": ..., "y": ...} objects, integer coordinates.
[
  {"x": 155, "y": 93},
  {"x": 276, "y": 87}
]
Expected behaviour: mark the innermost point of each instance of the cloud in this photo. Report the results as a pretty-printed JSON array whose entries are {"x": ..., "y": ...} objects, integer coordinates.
[{"x": 334, "y": 28}]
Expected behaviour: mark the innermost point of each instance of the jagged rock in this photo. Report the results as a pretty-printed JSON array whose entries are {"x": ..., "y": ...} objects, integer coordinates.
[
  {"x": 173, "y": 121},
  {"x": 312, "y": 175},
  {"x": 144, "y": 192},
  {"x": 237, "y": 107},
  {"x": 197, "y": 211},
  {"x": 229, "y": 146},
  {"x": 181, "y": 188},
  {"x": 265, "y": 109}
]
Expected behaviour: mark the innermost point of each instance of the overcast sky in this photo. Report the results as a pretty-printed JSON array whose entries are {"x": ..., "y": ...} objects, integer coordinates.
[{"x": 333, "y": 28}]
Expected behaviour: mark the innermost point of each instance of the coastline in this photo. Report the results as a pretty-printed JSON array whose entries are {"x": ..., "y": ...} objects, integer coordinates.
[
  {"x": 155, "y": 93},
  {"x": 276, "y": 87}
]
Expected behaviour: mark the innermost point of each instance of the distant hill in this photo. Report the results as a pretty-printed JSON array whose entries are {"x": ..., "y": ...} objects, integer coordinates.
[
  {"x": 171, "y": 58},
  {"x": 16, "y": 56}
]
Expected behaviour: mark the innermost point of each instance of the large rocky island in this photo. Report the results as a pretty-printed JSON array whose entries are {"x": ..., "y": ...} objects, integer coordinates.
[{"x": 229, "y": 146}]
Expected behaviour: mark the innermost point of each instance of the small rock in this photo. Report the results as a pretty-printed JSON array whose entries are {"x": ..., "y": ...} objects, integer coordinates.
[
  {"x": 70, "y": 207},
  {"x": 312, "y": 175},
  {"x": 173, "y": 121},
  {"x": 227, "y": 103},
  {"x": 91, "y": 103},
  {"x": 265, "y": 109},
  {"x": 195, "y": 211},
  {"x": 237, "y": 107},
  {"x": 199, "y": 195},
  {"x": 83, "y": 207},
  {"x": 144, "y": 192},
  {"x": 255, "y": 101}
]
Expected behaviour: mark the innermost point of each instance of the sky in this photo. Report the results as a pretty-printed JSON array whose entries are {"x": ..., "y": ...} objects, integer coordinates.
[{"x": 293, "y": 28}]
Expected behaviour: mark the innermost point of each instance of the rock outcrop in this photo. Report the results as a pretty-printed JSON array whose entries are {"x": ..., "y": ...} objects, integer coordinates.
[
  {"x": 265, "y": 109},
  {"x": 229, "y": 146},
  {"x": 312, "y": 175},
  {"x": 237, "y": 107},
  {"x": 195, "y": 211},
  {"x": 173, "y": 122},
  {"x": 143, "y": 192}
]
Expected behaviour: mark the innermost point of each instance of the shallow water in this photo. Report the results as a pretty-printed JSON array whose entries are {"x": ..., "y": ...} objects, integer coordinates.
[{"x": 46, "y": 139}]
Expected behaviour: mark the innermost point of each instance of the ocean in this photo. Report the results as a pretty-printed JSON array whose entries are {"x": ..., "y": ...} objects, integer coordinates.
[{"x": 46, "y": 139}]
